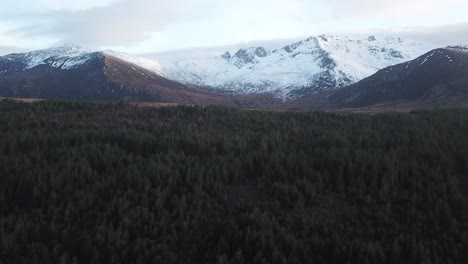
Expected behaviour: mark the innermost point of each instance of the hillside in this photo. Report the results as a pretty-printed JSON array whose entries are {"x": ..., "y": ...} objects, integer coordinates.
[{"x": 436, "y": 79}]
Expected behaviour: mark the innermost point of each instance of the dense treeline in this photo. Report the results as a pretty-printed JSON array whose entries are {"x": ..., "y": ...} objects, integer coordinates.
[{"x": 115, "y": 183}]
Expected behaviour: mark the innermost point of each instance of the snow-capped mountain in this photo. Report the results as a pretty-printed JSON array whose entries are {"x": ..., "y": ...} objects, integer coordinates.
[
  {"x": 69, "y": 57},
  {"x": 64, "y": 57},
  {"x": 304, "y": 67},
  {"x": 59, "y": 57},
  {"x": 72, "y": 72}
]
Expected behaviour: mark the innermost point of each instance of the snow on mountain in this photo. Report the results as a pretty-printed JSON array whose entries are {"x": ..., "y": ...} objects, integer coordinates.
[
  {"x": 463, "y": 48},
  {"x": 65, "y": 56},
  {"x": 304, "y": 67},
  {"x": 147, "y": 64},
  {"x": 72, "y": 56},
  {"x": 324, "y": 62}
]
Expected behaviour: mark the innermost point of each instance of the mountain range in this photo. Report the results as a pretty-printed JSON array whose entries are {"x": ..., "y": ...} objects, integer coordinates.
[
  {"x": 318, "y": 72},
  {"x": 304, "y": 67}
]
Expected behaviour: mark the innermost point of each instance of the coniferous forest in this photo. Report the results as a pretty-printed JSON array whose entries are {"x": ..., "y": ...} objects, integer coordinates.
[{"x": 117, "y": 183}]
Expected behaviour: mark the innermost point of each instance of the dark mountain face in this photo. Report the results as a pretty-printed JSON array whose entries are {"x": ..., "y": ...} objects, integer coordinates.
[
  {"x": 226, "y": 56},
  {"x": 438, "y": 78},
  {"x": 248, "y": 56},
  {"x": 88, "y": 82},
  {"x": 9, "y": 66}
]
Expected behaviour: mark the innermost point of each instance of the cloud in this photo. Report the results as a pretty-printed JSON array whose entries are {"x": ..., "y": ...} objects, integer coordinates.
[
  {"x": 121, "y": 22},
  {"x": 167, "y": 24},
  {"x": 17, "y": 6},
  {"x": 395, "y": 8},
  {"x": 70, "y": 5},
  {"x": 445, "y": 35},
  {"x": 4, "y": 50},
  {"x": 129, "y": 22}
]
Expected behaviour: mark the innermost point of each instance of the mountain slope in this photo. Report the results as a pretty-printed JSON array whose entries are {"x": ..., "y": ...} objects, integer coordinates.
[
  {"x": 67, "y": 72},
  {"x": 71, "y": 72},
  {"x": 438, "y": 78},
  {"x": 315, "y": 64}
]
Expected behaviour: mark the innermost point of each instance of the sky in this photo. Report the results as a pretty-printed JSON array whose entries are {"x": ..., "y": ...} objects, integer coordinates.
[{"x": 148, "y": 26}]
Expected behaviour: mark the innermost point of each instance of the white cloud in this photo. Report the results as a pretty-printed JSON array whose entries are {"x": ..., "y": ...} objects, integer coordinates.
[
  {"x": 395, "y": 8},
  {"x": 164, "y": 24},
  {"x": 445, "y": 35},
  {"x": 4, "y": 50},
  {"x": 58, "y": 4},
  {"x": 128, "y": 22},
  {"x": 124, "y": 22}
]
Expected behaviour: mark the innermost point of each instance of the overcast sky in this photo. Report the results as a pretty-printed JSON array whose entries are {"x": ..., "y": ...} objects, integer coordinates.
[{"x": 144, "y": 26}]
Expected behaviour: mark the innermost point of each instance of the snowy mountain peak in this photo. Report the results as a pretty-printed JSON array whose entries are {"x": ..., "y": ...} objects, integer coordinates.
[
  {"x": 62, "y": 51},
  {"x": 248, "y": 56},
  {"x": 226, "y": 56},
  {"x": 318, "y": 62},
  {"x": 70, "y": 49}
]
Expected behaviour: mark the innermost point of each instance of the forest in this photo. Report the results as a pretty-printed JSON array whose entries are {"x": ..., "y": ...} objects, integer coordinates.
[{"x": 95, "y": 183}]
